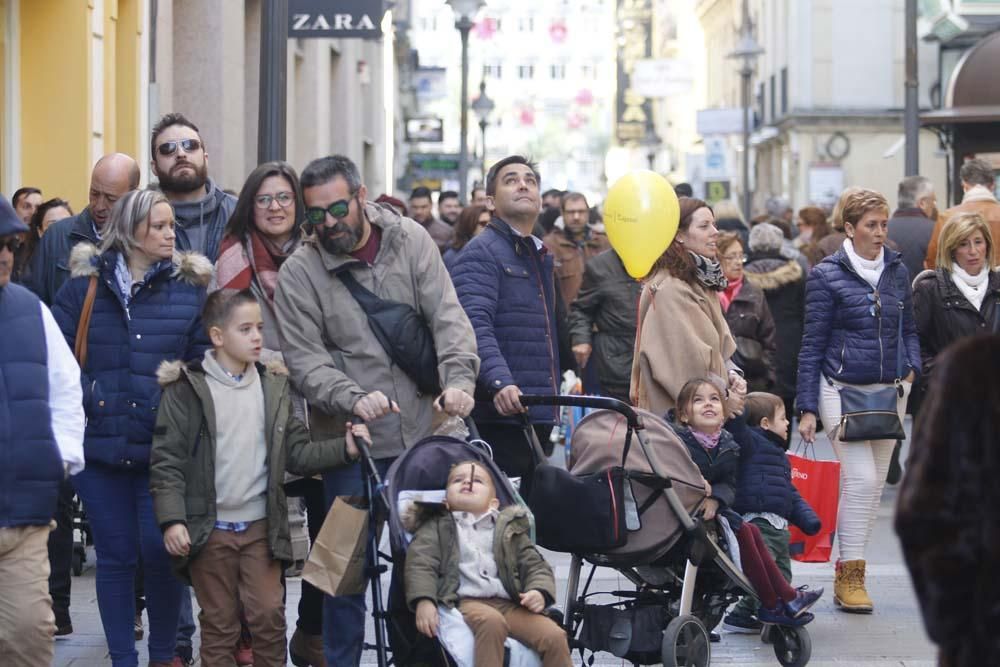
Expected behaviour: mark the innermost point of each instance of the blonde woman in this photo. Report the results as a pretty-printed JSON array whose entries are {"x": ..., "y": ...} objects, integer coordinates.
[
  {"x": 854, "y": 301},
  {"x": 962, "y": 296}
]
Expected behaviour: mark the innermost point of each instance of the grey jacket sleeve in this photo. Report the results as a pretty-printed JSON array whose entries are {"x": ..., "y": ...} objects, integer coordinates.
[
  {"x": 454, "y": 338},
  {"x": 309, "y": 362}
]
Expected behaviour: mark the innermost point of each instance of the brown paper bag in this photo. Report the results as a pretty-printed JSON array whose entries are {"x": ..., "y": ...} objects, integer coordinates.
[{"x": 336, "y": 563}]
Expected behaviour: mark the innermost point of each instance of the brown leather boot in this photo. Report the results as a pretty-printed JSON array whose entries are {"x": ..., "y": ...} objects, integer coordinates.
[
  {"x": 306, "y": 650},
  {"x": 849, "y": 588}
]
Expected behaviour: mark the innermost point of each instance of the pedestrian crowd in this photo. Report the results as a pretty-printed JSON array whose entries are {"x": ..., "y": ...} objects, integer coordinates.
[{"x": 177, "y": 362}]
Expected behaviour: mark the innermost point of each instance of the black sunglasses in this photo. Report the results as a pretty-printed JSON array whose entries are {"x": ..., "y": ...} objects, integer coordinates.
[
  {"x": 338, "y": 209},
  {"x": 170, "y": 147},
  {"x": 11, "y": 243}
]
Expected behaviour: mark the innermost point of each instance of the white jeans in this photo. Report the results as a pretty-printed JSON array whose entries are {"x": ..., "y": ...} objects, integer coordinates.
[{"x": 863, "y": 469}]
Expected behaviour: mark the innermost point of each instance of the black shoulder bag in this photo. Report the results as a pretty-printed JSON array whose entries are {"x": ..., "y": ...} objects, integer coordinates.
[
  {"x": 870, "y": 414},
  {"x": 402, "y": 332}
]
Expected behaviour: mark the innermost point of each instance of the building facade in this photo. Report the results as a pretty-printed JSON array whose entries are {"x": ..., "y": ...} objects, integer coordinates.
[
  {"x": 82, "y": 78},
  {"x": 828, "y": 94}
]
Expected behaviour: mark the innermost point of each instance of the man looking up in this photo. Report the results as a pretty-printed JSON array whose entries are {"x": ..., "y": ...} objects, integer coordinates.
[
  {"x": 503, "y": 278},
  {"x": 180, "y": 162}
]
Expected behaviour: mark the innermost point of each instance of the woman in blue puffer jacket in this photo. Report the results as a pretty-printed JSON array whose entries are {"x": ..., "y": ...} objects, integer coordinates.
[
  {"x": 147, "y": 308},
  {"x": 854, "y": 299}
]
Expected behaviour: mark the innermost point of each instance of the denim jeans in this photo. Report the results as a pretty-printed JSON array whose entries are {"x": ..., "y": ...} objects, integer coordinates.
[
  {"x": 344, "y": 615},
  {"x": 186, "y": 626},
  {"x": 120, "y": 510}
]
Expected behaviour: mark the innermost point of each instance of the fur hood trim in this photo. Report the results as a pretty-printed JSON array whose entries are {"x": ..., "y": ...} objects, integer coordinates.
[
  {"x": 83, "y": 260},
  {"x": 191, "y": 267},
  {"x": 171, "y": 371},
  {"x": 786, "y": 274},
  {"x": 924, "y": 275}
]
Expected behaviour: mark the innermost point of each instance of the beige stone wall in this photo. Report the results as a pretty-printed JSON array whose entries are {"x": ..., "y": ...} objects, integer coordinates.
[{"x": 207, "y": 67}]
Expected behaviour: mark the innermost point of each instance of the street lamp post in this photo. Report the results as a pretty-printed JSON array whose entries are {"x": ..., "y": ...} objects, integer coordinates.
[
  {"x": 483, "y": 107},
  {"x": 651, "y": 142},
  {"x": 747, "y": 50},
  {"x": 464, "y": 11}
]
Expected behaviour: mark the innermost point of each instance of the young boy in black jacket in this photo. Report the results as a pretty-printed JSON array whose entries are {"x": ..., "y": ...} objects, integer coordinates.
[{"x": 765, "y": 495}]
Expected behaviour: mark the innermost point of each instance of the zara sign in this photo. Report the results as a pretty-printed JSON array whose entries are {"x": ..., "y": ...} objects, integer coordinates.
[{"x": 335, "y": 18}]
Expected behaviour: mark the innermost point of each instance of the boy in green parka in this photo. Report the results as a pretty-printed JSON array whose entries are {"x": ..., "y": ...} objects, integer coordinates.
[
  {"x": 482, "y": 559},
  {"x": 224, "y": 438}
]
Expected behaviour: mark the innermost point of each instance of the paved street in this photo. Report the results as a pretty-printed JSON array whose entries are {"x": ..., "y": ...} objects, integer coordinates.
[{"x": 893, "y": 635}]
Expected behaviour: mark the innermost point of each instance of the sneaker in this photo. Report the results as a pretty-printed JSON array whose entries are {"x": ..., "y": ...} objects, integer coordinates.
[
  {"x": 243, "y": 656},
  {"x": 779, "y": 616},
  {"x": 183, "y": 656},
  {"x": 64, "y": 629},
  {"x": 741, "y": 624},
  {"x": 804, "y": 598}
]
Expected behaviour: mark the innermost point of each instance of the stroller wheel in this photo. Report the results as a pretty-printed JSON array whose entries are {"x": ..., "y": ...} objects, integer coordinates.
[
  {"x": 686, "y": 643},
  {"x": 792, "y": 646}
]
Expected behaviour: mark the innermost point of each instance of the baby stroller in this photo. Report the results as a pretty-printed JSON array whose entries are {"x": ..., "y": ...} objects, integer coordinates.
[
  {"x": 418, "y": 475},
  {"x": 640, "y": 493}
]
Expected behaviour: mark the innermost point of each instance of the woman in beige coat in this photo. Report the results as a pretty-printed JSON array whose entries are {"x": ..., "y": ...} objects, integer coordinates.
[{"x": 682, "y": 333}]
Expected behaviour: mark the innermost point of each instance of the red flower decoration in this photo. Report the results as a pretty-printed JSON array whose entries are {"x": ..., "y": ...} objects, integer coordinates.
[
  {"x": 486, "y": 28},
  {"x": 527, "y": 116},
  {"x": 557, "y": 31},
  {"x": 585, "y": 98}
]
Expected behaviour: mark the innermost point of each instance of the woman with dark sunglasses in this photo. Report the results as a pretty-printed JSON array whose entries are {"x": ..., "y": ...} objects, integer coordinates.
[
  {"x": 265, "y": 229},
  {"x": 854, "y": 301}
]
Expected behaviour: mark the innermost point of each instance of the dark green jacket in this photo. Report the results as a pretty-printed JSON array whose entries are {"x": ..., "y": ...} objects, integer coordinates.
[
  {"x": 182, "y": 465},
  {"x": 433, "y": 557}
]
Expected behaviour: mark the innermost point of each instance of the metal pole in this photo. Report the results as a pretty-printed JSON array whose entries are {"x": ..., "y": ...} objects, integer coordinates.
[
  {"x": 273, "y": 80},
  {"x": 482, "y": 130},
  {"x": 745, "y": 74},
  {"x": 464, "y": 25},
  {"x": 911, "y": 117}
]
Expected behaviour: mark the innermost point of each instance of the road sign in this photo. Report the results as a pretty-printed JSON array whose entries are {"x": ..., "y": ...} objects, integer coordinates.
[{"x": 716, "y": 191}]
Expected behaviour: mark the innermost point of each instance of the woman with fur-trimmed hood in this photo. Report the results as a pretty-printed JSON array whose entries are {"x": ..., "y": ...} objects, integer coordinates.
[
  {"x": 146, "y": 307},
  {"x": 784, "y": 285}
]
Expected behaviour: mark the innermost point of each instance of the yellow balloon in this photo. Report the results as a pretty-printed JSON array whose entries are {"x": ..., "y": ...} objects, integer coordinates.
[{"x": 641, "y": 214}]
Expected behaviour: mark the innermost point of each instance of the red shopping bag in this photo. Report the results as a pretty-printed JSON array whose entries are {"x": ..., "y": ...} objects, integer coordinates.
[{"x": 819, "y": 484}]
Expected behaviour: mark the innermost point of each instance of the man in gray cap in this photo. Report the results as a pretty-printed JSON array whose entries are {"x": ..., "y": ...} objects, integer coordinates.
[{"x": 41, "y": 442}]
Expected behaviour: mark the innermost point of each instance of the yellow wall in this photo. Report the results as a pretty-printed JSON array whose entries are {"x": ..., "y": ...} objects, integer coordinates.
[
  {"x": 55, "y": 97},
  {"x": 60, "y": 136}
]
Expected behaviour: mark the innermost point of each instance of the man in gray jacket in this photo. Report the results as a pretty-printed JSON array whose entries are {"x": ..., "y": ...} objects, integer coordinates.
[
  {"x": 336, "y": 361},
  {"x": 179, "y": 160}
]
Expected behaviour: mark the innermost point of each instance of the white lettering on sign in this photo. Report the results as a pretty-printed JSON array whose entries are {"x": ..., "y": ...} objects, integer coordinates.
[
  {"x": 799, "y": 475},
  {"x": 340, "y": 22}
]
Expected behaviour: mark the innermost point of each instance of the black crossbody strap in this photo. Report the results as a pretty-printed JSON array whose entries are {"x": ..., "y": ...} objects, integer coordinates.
[
  {"x": 899, "y": 345},
  {"x": 369, "y": 302}
]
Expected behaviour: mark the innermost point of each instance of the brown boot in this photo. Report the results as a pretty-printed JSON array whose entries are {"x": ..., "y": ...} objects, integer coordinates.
[
  {"x": 849, "y": 588},
  {"x": 306, "y": 650}
]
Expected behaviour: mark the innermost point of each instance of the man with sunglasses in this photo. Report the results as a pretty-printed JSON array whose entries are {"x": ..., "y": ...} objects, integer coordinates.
[
  {"x": 179, "y": 160},
  {"x": 337, "y": 362},
  {"x": 41, "y": 442}
]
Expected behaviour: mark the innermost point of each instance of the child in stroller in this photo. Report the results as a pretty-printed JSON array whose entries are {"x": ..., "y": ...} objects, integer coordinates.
[
  {"x": 481, "y": 557},
  {"x": 700, "y": 415}
]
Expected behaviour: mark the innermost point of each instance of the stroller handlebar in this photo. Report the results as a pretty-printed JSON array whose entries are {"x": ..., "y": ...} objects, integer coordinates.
[{"x": 596, "y": 402}]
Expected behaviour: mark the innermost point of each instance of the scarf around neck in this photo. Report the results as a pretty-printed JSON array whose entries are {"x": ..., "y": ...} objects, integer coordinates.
[
  {"x": 709, "y": 272},
  {"x": 972, "y": 287},
  {"x": 707, "y": 440},
  {"x": 732, "y": 290},
  {"x": 241, "y": 261},
  {"x": 869, "y": 269},
  {"x": 978, "y": 193}
]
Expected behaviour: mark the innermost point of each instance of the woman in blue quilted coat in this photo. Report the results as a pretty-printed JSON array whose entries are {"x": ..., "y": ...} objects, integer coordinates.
[
  {"x": 854, "y": 301},
  {"x": 146, "y": 309}
]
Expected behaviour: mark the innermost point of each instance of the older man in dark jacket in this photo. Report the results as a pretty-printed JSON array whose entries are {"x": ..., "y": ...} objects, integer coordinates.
[
  {"x": 602, "y": 322},
  {"x": 112, "y": 177},
  {"x": 504, "y": 279},
  {"x": 913, "y": 221}
]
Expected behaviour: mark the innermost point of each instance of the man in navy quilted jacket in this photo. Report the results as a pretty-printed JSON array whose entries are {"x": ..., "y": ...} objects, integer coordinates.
[
  {"x": 504, "y": 279},
  {"x": 41, "y": 441}
]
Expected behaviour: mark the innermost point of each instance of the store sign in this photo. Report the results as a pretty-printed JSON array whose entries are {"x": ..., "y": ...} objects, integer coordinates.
[
  {"x": 425, "y": 130},
  {"x": 335, "y": 18},
  {"x": 633, "y": 110},
  {"x": 720, "y": 121},
  {"x": 661, "y": 78}
]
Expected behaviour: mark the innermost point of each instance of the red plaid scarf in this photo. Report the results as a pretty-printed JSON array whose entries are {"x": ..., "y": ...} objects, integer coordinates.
[{"x": 239, "y": 263}]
